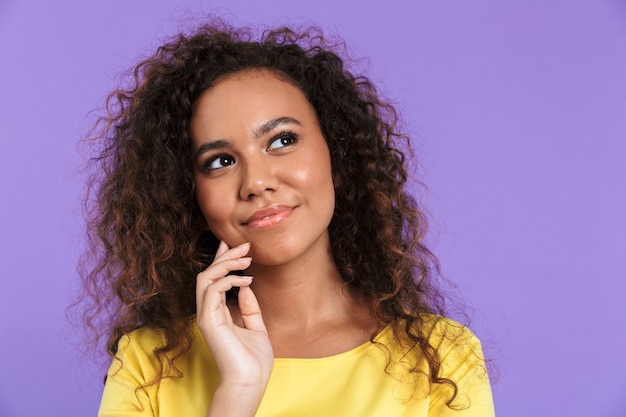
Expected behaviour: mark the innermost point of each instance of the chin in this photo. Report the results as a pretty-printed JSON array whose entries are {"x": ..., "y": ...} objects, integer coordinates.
[
  {"x": 284, "y": 250},
  {"x": 267, "y": 258}
]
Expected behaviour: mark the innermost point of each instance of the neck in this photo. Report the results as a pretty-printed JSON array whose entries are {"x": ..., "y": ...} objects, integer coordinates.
[
  {"x": 309, "y": 311},
  {"x": 302, "y": 294}
]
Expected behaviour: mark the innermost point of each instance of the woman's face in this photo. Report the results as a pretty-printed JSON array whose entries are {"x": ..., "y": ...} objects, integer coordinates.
[{"x": 262, "y": 167}]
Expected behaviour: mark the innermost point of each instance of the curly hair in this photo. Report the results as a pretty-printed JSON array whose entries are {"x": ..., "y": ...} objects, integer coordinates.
[{"x": 146, "y": 245}]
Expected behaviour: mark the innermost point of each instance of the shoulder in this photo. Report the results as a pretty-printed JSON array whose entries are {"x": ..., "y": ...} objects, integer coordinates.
[
  {"x": 135, "y": 351},
  {"x": 458, "y": 348},
  {"x": 145, "y": 338},
  {"x": 141, "y": 343},
  {"x": 461, "y": 361},
  {"x": 440, "y": 332},
  {"x": 449, "y": 345},
  {"x": 151, "y": 339},
  {"x": 443, "y": 333},
  {"x": 145, "y": 346}
]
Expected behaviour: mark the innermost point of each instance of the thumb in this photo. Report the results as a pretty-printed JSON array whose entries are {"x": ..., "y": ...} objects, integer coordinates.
[{"x": 250, "y": 310}]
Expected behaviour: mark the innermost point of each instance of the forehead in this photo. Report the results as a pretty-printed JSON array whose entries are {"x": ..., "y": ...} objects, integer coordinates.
[
  {"x": 251, "y": 74},
  {"x": 253, "y": 84},
  {"x": 247, "y": 98}
]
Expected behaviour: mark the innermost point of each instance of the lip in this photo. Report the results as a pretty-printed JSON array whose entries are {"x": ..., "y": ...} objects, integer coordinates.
[{"x": 269, "y": 217}]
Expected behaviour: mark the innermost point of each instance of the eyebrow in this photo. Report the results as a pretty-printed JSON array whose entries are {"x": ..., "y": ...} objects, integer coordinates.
[
  {"x": 210, "y": 146},
  {"x": 264, "y": 129},
  {"x": 270, "y": 125}
]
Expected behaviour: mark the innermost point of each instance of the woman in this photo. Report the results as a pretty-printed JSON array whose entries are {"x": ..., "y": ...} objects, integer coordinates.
[{"x": 255, "y": 250}]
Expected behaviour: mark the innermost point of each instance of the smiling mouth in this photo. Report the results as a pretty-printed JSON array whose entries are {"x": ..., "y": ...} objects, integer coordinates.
[{"x": 269, "y": 217}]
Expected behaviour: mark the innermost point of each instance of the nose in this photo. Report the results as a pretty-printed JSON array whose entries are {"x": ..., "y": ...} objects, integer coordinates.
[{"x": 257, "y": 178}]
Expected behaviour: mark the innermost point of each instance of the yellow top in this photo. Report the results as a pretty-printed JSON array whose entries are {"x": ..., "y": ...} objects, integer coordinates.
[{"x": 353, "y": 383}]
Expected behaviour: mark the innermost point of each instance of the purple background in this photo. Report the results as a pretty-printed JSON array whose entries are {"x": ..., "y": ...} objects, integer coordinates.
[{"x": 518, "y": 114}]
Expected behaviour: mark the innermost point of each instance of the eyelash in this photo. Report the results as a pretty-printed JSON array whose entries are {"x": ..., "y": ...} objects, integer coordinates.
[
  {"x": 206, "y": 167},
  {"x": 285, "y": 134}
]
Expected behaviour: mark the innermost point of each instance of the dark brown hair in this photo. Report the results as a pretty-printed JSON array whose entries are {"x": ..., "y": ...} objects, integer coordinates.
[{"x": 146, "y": 245}]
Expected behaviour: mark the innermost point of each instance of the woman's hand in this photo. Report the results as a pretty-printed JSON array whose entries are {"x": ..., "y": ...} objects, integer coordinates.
[{"x": 243, "y": 353}]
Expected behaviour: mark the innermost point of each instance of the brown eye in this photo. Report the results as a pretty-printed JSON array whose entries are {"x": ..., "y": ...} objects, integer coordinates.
[
  {"x": 218, "y": 162},
  {"x": 283, "y": 140}
]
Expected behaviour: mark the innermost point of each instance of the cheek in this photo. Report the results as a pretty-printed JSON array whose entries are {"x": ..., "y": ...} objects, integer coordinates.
[
  {"x": 213, "y": 208},
  {"x": 317, "y": 181},
  {"x": 314, "y": 169},
  {"x": 314, "y": 176}
]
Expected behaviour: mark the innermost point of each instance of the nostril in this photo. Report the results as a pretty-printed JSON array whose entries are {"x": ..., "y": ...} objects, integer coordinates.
[{"x": 258, "y": 186}]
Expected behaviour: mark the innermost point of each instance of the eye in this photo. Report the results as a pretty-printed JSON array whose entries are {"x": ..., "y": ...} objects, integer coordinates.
[
  {"x": 218, "y": 162},
  {"x": 283, "y": 140}
]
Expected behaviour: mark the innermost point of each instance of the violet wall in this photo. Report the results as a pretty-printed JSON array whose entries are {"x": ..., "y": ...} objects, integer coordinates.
[{"x": 518, "y": 114}]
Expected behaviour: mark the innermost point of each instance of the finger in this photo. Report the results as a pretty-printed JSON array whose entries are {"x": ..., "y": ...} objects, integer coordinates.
[
  {"x": 250, "y": 310},
  {"x": 221, "y": 269},
  {"x": 236, "y": 252},
  {"x": 221, "y": 249},
  {"x": 215, "y": 295}
]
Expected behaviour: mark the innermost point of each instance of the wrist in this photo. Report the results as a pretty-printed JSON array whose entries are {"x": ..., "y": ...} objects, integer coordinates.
[{"x": 235, "y": 400}]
